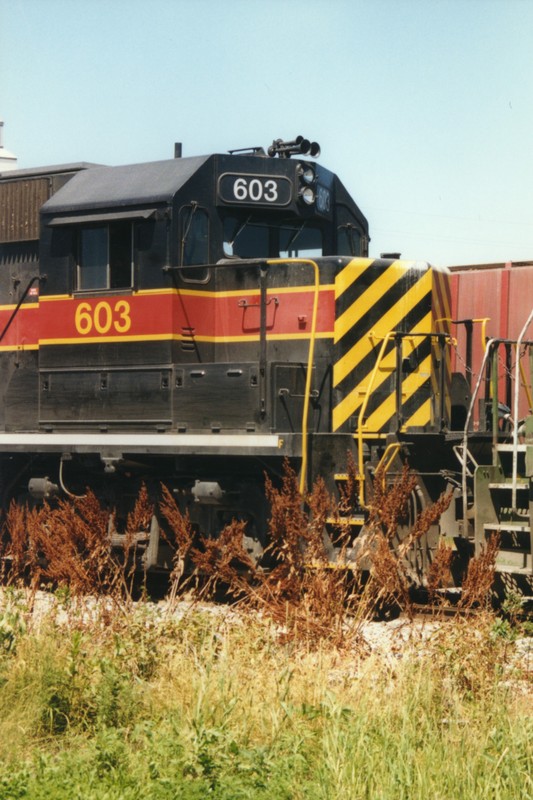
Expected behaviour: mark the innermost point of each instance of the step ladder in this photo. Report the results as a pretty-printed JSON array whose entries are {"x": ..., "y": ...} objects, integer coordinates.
[{"x": 504, "y": 506}]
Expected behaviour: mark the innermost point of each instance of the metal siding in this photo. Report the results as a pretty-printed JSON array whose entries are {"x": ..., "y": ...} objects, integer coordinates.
[
  {"x": 20, "y": 202},
  {"x": 477, "y": 297},
  {"x": 504, "y": 295},
  {"x": 482, "y": 294},
  {"x": 520, "y": 300}
]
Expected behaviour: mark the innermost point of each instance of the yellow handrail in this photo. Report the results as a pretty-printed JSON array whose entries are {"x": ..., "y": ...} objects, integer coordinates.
[
  {"x": 387, "y": 458},
  {"x": 360, "y": 460},
  {"x": 360, "y": 421},
  {"x": 310, "y": 357},
  {"x": 482, "y": 320}
]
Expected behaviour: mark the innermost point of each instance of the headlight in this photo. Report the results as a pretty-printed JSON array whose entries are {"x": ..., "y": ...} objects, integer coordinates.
[{"x": 307, "y": 195}]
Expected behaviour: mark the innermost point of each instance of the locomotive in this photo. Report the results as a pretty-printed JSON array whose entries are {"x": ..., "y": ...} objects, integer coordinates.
[{"x": 202, "y": 321}]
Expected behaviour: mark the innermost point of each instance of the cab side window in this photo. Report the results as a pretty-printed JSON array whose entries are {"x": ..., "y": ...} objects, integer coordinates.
[
  {"x": 349, "y": 240},
  {"x": 105, "y": 257},
  {"x": 194, "y": 243}
]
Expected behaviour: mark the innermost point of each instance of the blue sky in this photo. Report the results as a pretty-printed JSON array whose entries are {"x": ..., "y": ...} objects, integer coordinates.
[{"x": 423, "y": 107}]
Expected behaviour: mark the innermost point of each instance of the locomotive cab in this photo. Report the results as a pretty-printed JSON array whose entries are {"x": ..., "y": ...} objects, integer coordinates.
[
  {"x": 113, "y": 227},
  {"x": 146, "y": 268}
]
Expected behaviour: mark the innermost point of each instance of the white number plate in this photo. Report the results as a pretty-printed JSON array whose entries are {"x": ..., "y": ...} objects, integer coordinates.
[{"x": 265, "y": 190}]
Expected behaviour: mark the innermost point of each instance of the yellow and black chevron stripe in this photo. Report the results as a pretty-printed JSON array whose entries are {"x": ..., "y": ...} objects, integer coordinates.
[{"x": 374, "y": 297}]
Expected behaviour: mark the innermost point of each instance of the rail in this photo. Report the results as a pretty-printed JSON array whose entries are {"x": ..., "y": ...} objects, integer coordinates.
[
  {"x": 40, "y": 278},
  {"x": 360, "y": 421},
  {"x": 464, "y": 482},
  {"x": 310, "y": 357},
  {"x": 469, "y": 330},
  {"x": 515, "y": 409},
  {"x": 491, "y": 350},
  {"x": 526, "y": 387},
  {"x": 399, "y": 336},
  {"x": 385, "y": 462}
]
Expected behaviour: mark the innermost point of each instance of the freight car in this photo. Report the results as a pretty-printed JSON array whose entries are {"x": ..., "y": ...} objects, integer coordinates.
[{"x": 200, "y": 321}]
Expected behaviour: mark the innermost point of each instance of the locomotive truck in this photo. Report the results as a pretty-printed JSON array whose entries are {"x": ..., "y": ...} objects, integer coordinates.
[{"x": 201, "y": 321}]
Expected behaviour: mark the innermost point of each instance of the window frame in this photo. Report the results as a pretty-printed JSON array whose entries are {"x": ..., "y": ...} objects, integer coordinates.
[
  {"x": 80, "y": 266},
  {"x": 107, "y": 227},
  {"x": 274, "y": 230},
  {"x": 184, "y": 226},
  {"x": 345, "y": 221},
  {"x": 76, "y": 223}
]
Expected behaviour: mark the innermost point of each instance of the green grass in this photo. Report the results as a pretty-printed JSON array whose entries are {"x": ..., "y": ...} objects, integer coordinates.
[{"x": 128, "y": 705}]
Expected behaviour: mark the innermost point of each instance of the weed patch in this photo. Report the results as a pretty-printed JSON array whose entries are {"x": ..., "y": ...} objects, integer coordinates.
[
  {"x": 225, "y": 708},
  {"x": 317, "y": 579}
]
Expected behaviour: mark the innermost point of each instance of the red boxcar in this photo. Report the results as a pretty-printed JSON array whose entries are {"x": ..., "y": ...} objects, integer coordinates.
[{"x": 499, "y": 297}]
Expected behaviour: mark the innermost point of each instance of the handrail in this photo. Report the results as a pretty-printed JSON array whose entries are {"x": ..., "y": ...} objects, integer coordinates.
[
  {"x": 515, "y": 409},
  {"x": 360, "y": 423},
  {"x": 460, "y": 458},
  {"x": 309, "y": 376},
  {"x": 483, "y": 321},
  {"x": 468, "y": 323},
  {"x": 488, "y": 352},
  {"x": 464, "y": 485},
  {"x": 525, "y": 384},
  {"x": 25, "y": 293},
  {"x": 360, "y": 461},
  {"x": 385, "y": 462}
]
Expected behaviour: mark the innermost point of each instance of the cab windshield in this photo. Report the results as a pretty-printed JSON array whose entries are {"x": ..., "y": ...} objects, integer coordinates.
[{"x": 251, "y": 236}]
